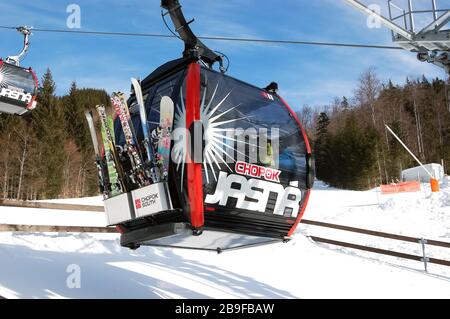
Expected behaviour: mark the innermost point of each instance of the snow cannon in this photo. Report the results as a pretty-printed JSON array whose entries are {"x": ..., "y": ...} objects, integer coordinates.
[
  {"x": 18, "y": 85},
  {"x": 205, "y": 161}
]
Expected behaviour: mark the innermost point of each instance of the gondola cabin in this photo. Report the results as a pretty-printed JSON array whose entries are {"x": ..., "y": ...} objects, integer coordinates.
[
  {"x": 18, "y": 89},
  {"x": 241, "y": 168},
  {"x": 237, "y": 166}
]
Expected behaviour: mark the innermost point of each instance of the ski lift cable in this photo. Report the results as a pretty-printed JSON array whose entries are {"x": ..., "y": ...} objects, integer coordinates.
[{"x": 216, "y": 38}]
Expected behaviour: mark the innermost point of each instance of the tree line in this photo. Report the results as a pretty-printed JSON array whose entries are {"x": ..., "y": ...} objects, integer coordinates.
[
  {"x": 353, "y": 148},
  {"x": 48, "y": 153}
]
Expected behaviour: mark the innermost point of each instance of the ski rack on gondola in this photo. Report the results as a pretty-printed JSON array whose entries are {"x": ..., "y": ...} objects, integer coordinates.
[{"x": 181, "y": 181}]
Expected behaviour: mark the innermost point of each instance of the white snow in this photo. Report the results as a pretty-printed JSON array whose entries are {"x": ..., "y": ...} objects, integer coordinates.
[
  {"x": 35, "y": 265},
  {"x": 420, "y": 215},
  {"x": 34, "y": 216}
]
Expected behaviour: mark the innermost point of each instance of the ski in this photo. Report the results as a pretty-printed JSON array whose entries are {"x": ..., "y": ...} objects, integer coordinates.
[
  {"x": 143, "y": 114},
  {"x": 101, "y": 167},
  {"x": 147, "y": 138},
  {"x": 115, "y": 180},
  {"x": 121, "y": 107},
  {"x": 165, "y": 136}
]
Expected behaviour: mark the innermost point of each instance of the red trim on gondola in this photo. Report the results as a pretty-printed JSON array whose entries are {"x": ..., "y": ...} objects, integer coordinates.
[
  {"x": 300, "y": 215},
  {"x": 194, "y": 170},
  {"x": 36, "y": 81},
  {"x": 308, "y": 150},
  {"x": 305, "y": 137}
]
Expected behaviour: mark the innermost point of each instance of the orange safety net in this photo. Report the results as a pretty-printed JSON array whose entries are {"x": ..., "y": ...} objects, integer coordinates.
[{"x": 405, "y": 187}]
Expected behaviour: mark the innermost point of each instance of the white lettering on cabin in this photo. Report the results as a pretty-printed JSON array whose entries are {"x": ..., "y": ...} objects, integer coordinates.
[
  {"x": 16, "y": 95},
  {"x": 253, "y": 194}
]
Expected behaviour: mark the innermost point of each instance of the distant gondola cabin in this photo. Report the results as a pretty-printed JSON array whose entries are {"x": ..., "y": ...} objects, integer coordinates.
[{"x": 18, "y": 89}]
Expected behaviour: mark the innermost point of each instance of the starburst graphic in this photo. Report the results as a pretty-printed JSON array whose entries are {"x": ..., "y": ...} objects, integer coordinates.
[
  {"x": 5, "y": 75},
  {"x": 217, "y": 151}
]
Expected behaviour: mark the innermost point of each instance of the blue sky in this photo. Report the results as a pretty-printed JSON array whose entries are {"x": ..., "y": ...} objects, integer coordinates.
[{"x": 306, "y": 74}]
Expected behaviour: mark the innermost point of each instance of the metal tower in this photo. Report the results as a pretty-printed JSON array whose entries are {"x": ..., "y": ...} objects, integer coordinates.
[{"x": 432, "y": 43}]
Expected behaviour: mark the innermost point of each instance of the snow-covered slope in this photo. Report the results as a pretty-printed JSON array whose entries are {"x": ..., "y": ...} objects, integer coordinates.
[
  {"x": 35, "y": 265},
  {"x": 420, "y": 214}
]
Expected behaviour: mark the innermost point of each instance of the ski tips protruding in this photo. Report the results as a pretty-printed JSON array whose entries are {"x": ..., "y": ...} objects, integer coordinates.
[{"x": 167, "y": 101}]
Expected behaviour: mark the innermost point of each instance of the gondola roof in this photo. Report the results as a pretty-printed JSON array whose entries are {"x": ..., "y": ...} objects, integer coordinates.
[{"x": 165, "y": 70}]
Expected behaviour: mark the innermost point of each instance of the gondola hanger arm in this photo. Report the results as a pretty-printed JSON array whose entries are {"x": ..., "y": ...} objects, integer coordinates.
[
  {"x": 26, "y": 32},
  {"x": 193, "y": 45}
]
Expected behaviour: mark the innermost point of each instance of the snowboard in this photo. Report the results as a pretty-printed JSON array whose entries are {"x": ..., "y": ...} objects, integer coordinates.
[{"x": 165, "y": 136}]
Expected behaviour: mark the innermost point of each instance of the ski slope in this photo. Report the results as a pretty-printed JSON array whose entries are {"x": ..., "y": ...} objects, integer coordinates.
[
  {"x": 35, "y": 265},
  {"x": 420, "y": 215}
]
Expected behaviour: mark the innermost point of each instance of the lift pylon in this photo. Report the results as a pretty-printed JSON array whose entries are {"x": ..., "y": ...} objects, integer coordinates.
[{"x": 431, "y": 43}]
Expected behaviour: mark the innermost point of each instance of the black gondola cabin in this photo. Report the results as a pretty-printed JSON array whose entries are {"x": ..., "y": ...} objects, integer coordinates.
[
  {"x": 251, "y": 180},
  {"x": 240, "y": 170}
]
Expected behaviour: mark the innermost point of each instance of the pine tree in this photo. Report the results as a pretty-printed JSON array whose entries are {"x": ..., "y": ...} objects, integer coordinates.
[
  {"x": 321, "y": 147},
  {"x": 354, "y": 155},
  {"x": 344, "y": 104},
  {"x": 79, "y": 169},
  {"x": 71, "y": 116},
  {"x": 48, "y": 120}
]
